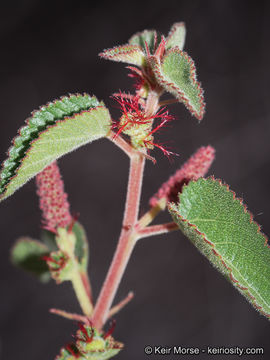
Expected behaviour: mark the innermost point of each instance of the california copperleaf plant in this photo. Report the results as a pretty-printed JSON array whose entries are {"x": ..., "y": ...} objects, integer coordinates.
[{"x": 204, "y": 209}]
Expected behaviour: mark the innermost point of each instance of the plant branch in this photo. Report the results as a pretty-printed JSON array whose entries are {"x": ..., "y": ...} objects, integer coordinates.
[
  {"x": 128, "y": 234},
  {"x": 82, "y": 293},
  {"x": 115, "y": 309},
  {"x": 87, "y": 285},
  {"x": 157, "y": 230},
  {"x": 125, "y": 146},
  {"x": 126, "y": 242},
  {"x": 69, "y": 316},
  {"x": 121, "y": 143},
  {"x": 148, "y": 217}
]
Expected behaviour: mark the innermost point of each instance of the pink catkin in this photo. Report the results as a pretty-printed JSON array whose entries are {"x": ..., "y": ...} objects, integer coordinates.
[
  {"x": 52, "y": 198},
  {"x": 197, "y": 166}
]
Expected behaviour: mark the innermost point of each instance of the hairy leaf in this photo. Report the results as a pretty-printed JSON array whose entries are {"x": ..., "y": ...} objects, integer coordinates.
[
  {"x": 220, "y": 226},
  {"x": 177, "y": 36},
  {"x": 131, "y": 54},
  {"x": 51, "y": 132},
  {"x": 27, "y": 254},
  {"x": 176, "y": 73},
  {"x": 150, "y": 37}
]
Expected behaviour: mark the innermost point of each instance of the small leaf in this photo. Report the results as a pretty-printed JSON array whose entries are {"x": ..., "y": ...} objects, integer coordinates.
[
  {"x": 131, "y": 54},
  {"x": 176, "y": 73},
  {"x": 48, "y": 238},
  {"x": 220, "y": 226},
  {"x": 151, "y": 37},
  {"x": 81, "y": 246},
  {"x": 27, "y": 254},
  {"x": 53, "y": 131},
  {"x": 177, "y": 36}
]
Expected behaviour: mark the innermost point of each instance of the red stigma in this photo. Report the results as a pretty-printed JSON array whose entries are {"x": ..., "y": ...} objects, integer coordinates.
[
  {"x": 133, "y": 115},
  {"x": 111, "y": 329}
]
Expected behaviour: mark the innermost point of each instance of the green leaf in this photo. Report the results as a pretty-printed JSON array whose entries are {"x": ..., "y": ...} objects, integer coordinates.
[
  {"x": 176, "y": 73},
  {"x": 81, "y": 246},
  {"x": 27, "y": 254},
  {"x": 131, "y": 54},
  {"x": 151, "y": 37},
  {"x": 220, "y": 226},
  {"x": 177, "y": 36},
  {"x": 48, "y": 238},
  {"x": 53, "y": 131}
]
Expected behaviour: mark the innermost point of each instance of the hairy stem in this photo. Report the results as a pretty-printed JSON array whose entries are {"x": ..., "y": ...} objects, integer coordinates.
[
  {"x": 147, "y": 218},
  {"x": 82, "y": 293},
  {"x": 126, "y": 242},
  {"x": 87, "y": 285},
  {"x": 121, "y": 143},
  {"x": 157, "y": 229},
  {"x": 128, "y": 236},
  {"x": 68, "y": 315},
  {"x": 115, "y": 309}
]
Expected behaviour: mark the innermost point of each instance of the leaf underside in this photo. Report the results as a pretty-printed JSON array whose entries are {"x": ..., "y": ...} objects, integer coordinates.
[
  {"x": 51, "y": 132},
  {"x": 131, "y": 54},
  {"x": 27, "y": 254},
  {"x": 177, "y": 36},
  {"x": 220, "y": 226},
  {"x": 177, "y": 74}
]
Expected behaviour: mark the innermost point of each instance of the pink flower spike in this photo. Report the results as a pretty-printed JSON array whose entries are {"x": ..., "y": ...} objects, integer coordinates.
[
  {"x": 52, "y": 198},
  {"x": 197, "y": 166}
]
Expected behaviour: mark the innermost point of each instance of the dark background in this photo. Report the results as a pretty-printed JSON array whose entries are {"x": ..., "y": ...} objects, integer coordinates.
[{"x": 48, "y": 49}]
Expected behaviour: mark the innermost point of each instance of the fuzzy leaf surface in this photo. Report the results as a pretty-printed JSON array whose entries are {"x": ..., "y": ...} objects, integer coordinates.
[
  {"x": 176, "y": 73},
  {"x": 177, "y": 36},
  {"x": 55, "y": 130},
  {"x": 27, "y": 254},
  {"x": 220, "y": 226},
  {"x": 151, "y": 37},
  {"x": 131, "y": 54}
]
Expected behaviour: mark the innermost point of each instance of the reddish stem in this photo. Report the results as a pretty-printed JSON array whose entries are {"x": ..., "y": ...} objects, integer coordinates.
[
  {"x": 121, "y": 143},
  {"x": 115, "y": 309},
  {"x": 126, "y": 242},
  {"x": 157, "y": 229},
  {"x": 87, "y": 285},
  {"x": 70, "y": 316}
]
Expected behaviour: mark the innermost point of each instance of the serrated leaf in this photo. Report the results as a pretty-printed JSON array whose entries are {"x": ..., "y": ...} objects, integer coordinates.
[
  {"x": 27, "y": 254},
  {"x": 151, "y": 37},
  {"x": 176, "y": 73},
  {"x": 81, "y": 246},
  {"x": 220, "y": 226},
  {"x": 177, "y": 36},
  {"x": 131, "y": 54},
  {"x": 53, "y": 131}
]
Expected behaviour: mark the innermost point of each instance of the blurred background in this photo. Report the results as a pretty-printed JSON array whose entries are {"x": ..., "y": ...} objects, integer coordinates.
[{"x": 48, "y": 49}]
